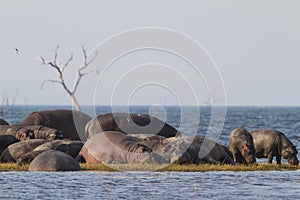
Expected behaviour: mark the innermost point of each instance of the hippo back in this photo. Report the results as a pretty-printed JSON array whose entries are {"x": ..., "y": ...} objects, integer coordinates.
[
  {"x": 6, "y": 140},
  {"x": 52, "y": 160},
  {"x": 14, "y": 151},
  {"x": 3, "y": 122},
  {"x": 71, "y": 123},
  {"x": 130, "y": 124},
  {"x": 114, "y": 147}
]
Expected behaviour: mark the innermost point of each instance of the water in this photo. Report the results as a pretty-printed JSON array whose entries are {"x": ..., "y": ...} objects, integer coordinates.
[
  {"x": 166, "y": 185},
  {"x": 149, "y": 185}
]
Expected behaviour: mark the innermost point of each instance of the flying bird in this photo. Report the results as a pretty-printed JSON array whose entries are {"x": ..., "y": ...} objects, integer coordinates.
[{"x": 17, "y": 50}]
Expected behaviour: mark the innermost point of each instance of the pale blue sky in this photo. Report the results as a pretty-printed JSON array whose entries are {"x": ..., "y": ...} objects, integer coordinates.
[{"x": 255, "y": 44}]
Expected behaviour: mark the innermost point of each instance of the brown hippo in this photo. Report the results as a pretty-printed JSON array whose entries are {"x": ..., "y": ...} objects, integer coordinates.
[
  {"x": 53, "y": 160},
  {"x": 14, "y": 151},
  {"x": 69, "y": 147},
  {"x": 32, "y": 132},
  {"x": 270, "y": 143},
  {"x": 241, "y": 146},
  {"x": 20, "y": 132},
  {"x": 114, "y": 147},
  {"x": 70, "y": 122},
  {"x": 6, "y": 140},
  {"x": 203, "y": 150},
  {"x": 130, "y": 124},
  {"x": 3, "y": 122},
  {"x": 42, "y": 132}
]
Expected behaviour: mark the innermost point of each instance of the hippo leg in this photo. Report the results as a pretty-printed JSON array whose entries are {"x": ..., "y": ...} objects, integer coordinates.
[
  {"x": 270, "y": 158},
  {"x": 235, "y": 157},
  {"x": 278, "y": 160}
]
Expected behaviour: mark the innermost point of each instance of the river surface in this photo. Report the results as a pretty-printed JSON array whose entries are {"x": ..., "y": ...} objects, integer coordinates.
[{"x": 166, "y": 185}]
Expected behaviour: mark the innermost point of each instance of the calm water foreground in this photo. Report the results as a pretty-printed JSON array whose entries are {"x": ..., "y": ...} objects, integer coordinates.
[
  {"x": 150, "y": 185},
  {"x": 166, "y": 185}
]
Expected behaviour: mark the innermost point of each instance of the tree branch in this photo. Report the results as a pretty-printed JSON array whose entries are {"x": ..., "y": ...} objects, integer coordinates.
[
  {"x": 67, "y": 63},
  {"x": 55, "y": 55},
  {"x": 49, "y": 80}
]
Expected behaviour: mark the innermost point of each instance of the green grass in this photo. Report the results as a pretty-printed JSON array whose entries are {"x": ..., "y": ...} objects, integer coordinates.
[{"x": 167, "y": 168}]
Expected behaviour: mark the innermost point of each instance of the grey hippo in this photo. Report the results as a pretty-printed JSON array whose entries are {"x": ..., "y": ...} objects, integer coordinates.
[
  {"x": 16, "y": 150},
  {"x": 6, "y": 140},
  {"x": 23, "y": 132},
  {"x": 130, "y": 124},
  {"x": 203, "y": 150},
  {"x": 53, "y": 160},
  {"x": 270, "y": 143},
  {"x": 70, "y": 122},
  {"x": 17, "y": 131},
  {"x": 69, "y": 147},
  {"x": 241, "y": 146}
]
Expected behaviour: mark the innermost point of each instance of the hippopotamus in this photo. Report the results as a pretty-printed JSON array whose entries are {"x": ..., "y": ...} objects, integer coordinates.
[
  {"x": 42, "y": 132},
  {"x": 53, "y": 160},
  {"x": 167, "y": 150},
  {"x": 6, "y": 140},
  {"x": 20, "y": 132},
  {"x": 23, "y": 132},
  {"x": 129, "y": 124},
  {"x": 69, "y": 147},
  {"x": 14, "y": 151},
  {"x": 241, "y": 146},
  {"x": 114, "y": 147},
  {"x": 71, "y": 123},
  {"x": 203, "y": 150},
  {"x": 3, "y": 122},
  {"x": 270, "y": 143}
]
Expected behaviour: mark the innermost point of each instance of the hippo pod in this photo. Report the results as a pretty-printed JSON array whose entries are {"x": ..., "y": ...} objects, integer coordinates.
[
  {"x": 270, "y": 143},
  {"x": 129, "y": 124},
  {"x": 53, "y": 160},
  {"x": 69, "y": 147},
  {"x": 3, "y": 122},
  {"x": 114, "y": 147},
  {"x": 71, "y": 123},
  {"x": 241, "y": 146},
  {"x": 14, "y": 151}
]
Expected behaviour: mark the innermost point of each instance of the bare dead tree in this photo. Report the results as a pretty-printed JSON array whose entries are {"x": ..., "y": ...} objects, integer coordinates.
[{"x": 60, "y": 68}]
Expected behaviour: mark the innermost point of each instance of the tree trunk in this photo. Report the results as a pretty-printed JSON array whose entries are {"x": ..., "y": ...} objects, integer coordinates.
[{"x": 75, "y": 103}]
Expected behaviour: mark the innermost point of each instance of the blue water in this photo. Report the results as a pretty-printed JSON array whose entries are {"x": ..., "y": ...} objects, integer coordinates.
[{"x": 154, "y": 185}]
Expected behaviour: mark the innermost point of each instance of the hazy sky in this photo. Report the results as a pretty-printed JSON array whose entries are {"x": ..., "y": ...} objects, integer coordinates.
[{"x": 255, "y": 45}]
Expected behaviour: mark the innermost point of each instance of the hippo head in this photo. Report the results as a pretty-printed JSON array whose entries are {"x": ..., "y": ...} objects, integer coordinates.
[
  {"x": 290, "y": 154},
  {"x": 48, "y": 133},
  {"x": 24, "y": 134},
  {"x": 54, "y": 134},
  {"x": 140, "y": 153},
  {"x": 248, "y": 152}
]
